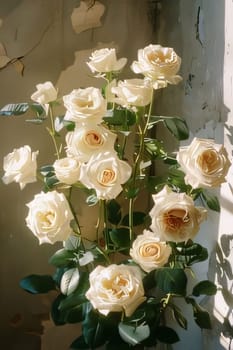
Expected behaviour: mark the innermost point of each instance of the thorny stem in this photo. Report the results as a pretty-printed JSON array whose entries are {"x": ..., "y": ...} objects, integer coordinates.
[
  {"x": 142, "y": 130},
  {"x": 76, "y": 219},
  {"x": 52, "y": 131}
]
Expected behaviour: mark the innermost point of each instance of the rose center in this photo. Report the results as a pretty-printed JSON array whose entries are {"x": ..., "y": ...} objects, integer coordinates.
[
  {"x": 208, "y": 161},
  {"x": 118, "y": 286},
  {"x": 159, "y": 57},
  {"x": 82, "y": 103},
  {"x": 175, "y": 219},
  {"x": 107, "y": 177},
  {"x": 148, "y": 250},
  {"x": 92, "y": 138},
  {"x": 46, "y": 218}
]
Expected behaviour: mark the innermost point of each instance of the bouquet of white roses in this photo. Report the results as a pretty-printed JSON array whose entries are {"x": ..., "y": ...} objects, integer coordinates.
[{"x": 122, "y": 284}]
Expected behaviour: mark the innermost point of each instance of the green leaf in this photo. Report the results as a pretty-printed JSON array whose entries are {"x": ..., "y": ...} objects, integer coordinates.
[
  {"x": 74, "y": 315},
  {"x": 178, "y": 316},
  {"x": 78, "y": 296},
  {"x": 56, "y": 314},
  {"x": 47, "y": 169},
  {"x": 70, "y": 281},
  {"x": 73, "y": 241},
  {"x": 188, "y": 253},
  {"x": 156, "y": 183},
  {"x": 38, "y": 284},
  {"x": 131, "y": 192},
  {"x": 204, "y": 287},
  {"x": 120, "y": 237},
  {"x": 62, "y": 257},
  {"x": 167, "y": 335},
  {"x": 92, "y": 200},
  {"x": 14, "y": 109},
  {"x": 114, "y": 212},
  {"x": 211, "y": 201},
  {"x": 50, "y": 181},
  {"x": 154, "y": 148},
  {"x": 79, "y": 343},
  {"x": 117, "y": 344},
  {"x": 36, "y": 107},
  {"x": 93, "y": 329},
  {"x": 121, "y": 117},
  {"x": 138, "y": 219},
  {"x": 177, "y": 127},
  {"x": 133, "y": 335},
  {"x": 171, "y": 280},
  {"x": 201, "y": 316}
]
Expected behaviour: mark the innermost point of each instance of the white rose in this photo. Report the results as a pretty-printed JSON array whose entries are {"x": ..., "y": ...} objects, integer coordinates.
[
  {"x": 204, "y": 162},
  {"x": 83, "y": 104},
  {"x": 104, "y": 60},
  {"x": 133, "y": 92},
  {"x": 105, "y": 173},
  {"x": 89, "y": 139},
  {"x": 158, "y": 63},
  {"x": 149, "y": 252},
  {"x": 174, "y": 216},
  {"x": 45, "y": 93},
  {"x": 116, "y": 288},
  {"x": 20, "y": 166},
  {"x": 49, "y": 217},
  {"x": 67, "y": 170}
]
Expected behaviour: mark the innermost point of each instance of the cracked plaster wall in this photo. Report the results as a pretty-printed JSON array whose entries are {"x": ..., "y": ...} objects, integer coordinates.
[{"x": 42, "y": 35}]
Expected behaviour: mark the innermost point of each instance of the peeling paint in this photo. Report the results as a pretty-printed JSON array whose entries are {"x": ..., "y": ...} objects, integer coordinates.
[
  {"x": 78, "y": 74},
  {"x": 87, "y": 16}
]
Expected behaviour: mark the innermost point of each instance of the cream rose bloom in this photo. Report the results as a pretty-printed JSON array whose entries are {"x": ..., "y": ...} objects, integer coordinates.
[
  {"x": 105, "y": 173},
  {"x": 204, "y": 162},
  {"x": 133, "y": 92},
  {"x": 45, "y": 93},
  {"x": 67, "y": 170},
  {"x": 104, "y": 60},
  {"x": 158, "y": 63},
  {"x": 149, "y": 252},
  {"x": 174, "y": 216},
  {"x": 116, "y": 288},
  {"x": 89, "y": 139},
  {"x": 85, "y": 104},
  {"x": 20, "y": 166},
  {"x": 49, "y": 217}
]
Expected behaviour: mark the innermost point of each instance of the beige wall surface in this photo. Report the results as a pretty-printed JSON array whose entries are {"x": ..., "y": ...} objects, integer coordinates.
[{"x": 51, "y": 48}]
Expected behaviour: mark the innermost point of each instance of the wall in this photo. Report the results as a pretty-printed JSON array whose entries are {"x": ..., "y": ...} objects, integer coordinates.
[{"x": 41, "y": 33}]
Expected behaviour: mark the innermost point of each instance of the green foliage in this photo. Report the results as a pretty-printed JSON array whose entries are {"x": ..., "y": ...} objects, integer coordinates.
[
  {"x": 204, "y": 287},
  {"x": 114, "y": 212},
  {"x": 133, "y": 335},
  {"x": 178, "y": 316},
  {"x": 121, "y": 117},
  {"x": 167, "y": 335},
  {"x": 171, "y": 280},
  {"x": 211, "y": 201},
  {"x": 62, "y": 257},
  {"x": 187, "y": 254},
  {"x": 201, "y": 316},
  {"x": 14, "y": 109},
  {"x": 176, "y": 125},
  {"x": 38, "y": 284}
]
